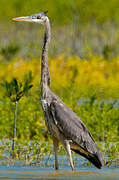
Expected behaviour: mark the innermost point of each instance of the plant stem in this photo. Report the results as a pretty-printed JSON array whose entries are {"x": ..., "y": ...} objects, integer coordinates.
[{"x": 14, "y": 130}]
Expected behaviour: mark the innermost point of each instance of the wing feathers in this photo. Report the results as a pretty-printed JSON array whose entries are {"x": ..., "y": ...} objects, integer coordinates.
[{"x": 73, "y": 128}]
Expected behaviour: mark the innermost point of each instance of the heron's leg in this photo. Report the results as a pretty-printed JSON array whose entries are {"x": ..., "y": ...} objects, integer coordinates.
[
  {"x": 56, "y": 145},
  {"x": 68, "y": 149}
]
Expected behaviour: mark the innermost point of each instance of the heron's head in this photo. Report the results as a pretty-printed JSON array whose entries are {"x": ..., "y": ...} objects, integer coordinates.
[{"x": 38, "y": 18}]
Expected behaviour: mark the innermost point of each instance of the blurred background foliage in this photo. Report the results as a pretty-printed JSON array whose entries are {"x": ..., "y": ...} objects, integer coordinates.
[
  {"x": 80, "y": 27},
  {"x": 83, "y": 60}
]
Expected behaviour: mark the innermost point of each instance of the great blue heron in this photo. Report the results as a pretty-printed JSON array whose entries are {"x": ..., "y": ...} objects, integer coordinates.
[{"x": 62, "y": 122}]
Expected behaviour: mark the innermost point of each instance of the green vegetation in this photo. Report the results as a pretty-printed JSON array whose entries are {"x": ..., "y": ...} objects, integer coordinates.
[
  {"x": 80, "y": 27},
  {"x": 15, "y": 90},
  {"x": 94, "y": 98},
  {"x": 84, "y": 69},
  {"x": 63, "y": 11}
]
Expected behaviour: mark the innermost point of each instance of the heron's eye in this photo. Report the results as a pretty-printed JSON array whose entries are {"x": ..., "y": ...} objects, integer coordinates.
[{"x": 38, "y": 17}]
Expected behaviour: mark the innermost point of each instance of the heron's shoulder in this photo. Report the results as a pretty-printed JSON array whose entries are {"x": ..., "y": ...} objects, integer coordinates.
[{"x": 65, "y": 115}]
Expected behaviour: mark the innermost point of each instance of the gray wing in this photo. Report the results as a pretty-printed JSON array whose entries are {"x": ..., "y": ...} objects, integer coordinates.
[{"x": 72, "y": 127}]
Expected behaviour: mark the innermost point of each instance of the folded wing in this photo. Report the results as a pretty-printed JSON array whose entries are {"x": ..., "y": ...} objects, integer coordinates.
[{"x": 74, "y": 129}]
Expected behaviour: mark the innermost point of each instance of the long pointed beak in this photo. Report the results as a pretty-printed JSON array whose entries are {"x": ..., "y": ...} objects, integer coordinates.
[{"x": 25, "y": 18}]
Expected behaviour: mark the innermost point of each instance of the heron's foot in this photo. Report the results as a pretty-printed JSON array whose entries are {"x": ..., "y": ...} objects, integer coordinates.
[
  {"x": 68, "y": 149},
  {"x": 56, "y": 162},
  {"x": 56, "y": 168},
  {"x": 72, "y": 168},
  {"x": 56, "y": 145}
]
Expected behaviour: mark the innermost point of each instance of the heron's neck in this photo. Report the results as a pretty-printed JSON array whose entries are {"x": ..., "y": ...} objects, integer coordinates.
[{"x": 45, "y": 78}]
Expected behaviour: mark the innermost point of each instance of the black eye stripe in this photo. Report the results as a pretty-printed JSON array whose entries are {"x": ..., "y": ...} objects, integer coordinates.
[{"x": 38, "y": 17}]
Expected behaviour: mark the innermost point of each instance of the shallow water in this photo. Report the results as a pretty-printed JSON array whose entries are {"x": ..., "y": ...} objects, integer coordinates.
[{"x": 35, "y": 172}]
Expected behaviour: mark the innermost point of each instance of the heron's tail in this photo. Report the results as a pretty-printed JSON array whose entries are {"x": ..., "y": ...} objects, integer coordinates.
[{"x": 95, "y": 159}]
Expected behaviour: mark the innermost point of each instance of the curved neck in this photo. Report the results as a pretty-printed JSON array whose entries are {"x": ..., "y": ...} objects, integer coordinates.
[{"x": 45, "y": 78}]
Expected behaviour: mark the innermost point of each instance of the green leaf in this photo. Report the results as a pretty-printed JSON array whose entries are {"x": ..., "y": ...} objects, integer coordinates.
[{"x": 15, "y": 86}]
